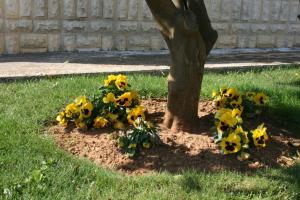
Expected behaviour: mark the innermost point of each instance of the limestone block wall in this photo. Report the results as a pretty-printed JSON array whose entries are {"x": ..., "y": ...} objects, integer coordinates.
[{"x": 28, "y": 26}]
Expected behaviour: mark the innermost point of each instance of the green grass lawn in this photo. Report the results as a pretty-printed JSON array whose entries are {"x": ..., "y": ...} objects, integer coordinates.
[{"x": 33, "y": 167}]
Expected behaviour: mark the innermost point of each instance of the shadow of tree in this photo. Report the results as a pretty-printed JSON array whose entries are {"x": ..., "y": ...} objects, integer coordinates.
[{"x": 177, "y": 158}]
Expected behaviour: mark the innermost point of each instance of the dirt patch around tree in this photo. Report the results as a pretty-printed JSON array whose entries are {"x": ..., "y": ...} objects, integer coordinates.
[{"x": 180, "y": 150}]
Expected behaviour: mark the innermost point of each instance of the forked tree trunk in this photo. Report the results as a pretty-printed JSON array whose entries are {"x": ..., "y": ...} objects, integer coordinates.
[{"x": 187, "y": 31}]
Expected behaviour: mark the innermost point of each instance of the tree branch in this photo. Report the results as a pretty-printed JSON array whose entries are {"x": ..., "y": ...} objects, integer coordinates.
[
  {"x": 164, "y": 11},
  {"x": 208, "y": 33}
]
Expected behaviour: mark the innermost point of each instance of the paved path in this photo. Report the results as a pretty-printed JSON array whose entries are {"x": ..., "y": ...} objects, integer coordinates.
[{"x": 53, "y": 64}]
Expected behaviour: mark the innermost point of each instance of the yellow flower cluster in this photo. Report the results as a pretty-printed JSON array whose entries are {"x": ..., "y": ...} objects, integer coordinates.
[
  {"x": 231, "y": 106},
  {"x": 116, "y": 106},
  {"x": 119, "y": 81},
  {"x": 78, "y": 111}
]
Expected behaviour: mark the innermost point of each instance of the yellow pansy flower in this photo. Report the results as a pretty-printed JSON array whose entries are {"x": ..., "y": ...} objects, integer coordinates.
[
  {"x": 222, "y": 127},
  {"x": 228, "y": 119},
  {"x": 260, "y": 136},
  {"x": 219, "y": 102},
  {"x": 236, "y": 113},
  {"x": 71, "y": 110},
  {"x": 231, "y": 144},
  {"x": 250, "y": 95},
  {"x": 260, "y": 98},
  {"x": 61, "y": 118},
  {"x": 86, "y": 109},
  {"x": 223, "y": 90},
  {"x": 231, "y": 92},
  {"x": 110, "y": 80},
  {"x": 135, "y": 113},
  {"x": 121, "y": 82},
  {"x": 109, "y": 98},
  {"x": 234, "y": 104},
  {"x": 79, "y": 101},
  {"x": 124, "y": 100},
  {"x": 244, "y": 134},
  {"x": 100, "y": 122}
]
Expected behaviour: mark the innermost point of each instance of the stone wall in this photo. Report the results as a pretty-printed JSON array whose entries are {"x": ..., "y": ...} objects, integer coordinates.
[{"x": 70, "y": 25}]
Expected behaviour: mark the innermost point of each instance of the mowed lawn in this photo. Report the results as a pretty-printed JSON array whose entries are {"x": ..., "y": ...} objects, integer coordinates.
[{"x": 33, "y": 167}]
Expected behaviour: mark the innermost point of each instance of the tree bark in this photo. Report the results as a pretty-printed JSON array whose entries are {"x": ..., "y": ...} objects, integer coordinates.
[{"x": 189, "y": 35}]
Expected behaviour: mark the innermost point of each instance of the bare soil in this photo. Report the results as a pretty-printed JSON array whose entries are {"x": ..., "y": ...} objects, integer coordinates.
[{"x": 180, "y": 150}]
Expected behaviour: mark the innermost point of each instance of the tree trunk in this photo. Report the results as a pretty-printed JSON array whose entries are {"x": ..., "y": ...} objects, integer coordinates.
[{"x": 187, "y": 31}]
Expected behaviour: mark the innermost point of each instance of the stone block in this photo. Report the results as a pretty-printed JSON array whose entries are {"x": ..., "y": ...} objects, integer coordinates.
[
  {"x": 25, "y": 8},
  {"x": 120, "y": 42},
  {"x": 54, "y": 42},
  {"x": 73, "y": 26},
  {"x": 2, "y": 44},
  {"x": 149, "y": 26},
  {"x": 246, "y": 41},
  {"x": 132, "y": 9},
  {"x": 281, "y": 41},
  {"x": 107, "y": 42},
  {"x": 275, "y": 10},
  {"x": 265, "y": 41},
  {"x": 69, "y": 9},
  {"x": 294, "y": 28},
  {"x": 69, "y": 42},
  {"x": 227, "y": 41},
  {"x": 252, "y": 41},
  {"x": 242, "y": 41},
  {"x": 121, "y": 9},
  {"x": 236, "y": 10},
  {"x": 256, "y": 10},
  {"x": 146, "y": 13},
  {"x": 11, "y": 9},
  {"x": 1, "y": 9},
  {"x": 221, "y": 27},
  {"x": 284, "y": 11},
  {"x": 32, "y": 41},
  {"x": 138, "y": 42},
  {"x": 108, "y": 9},
  {"x": 101, "y": 25},
  {"x": 215, "y": 10},
  {"x": 1, "y": 25},
  {"x": 289, "y": 41},
  {"x": 260, "y": 28},
  {"x": 226, "y": 7},
  {"x": 53, "y": 8},
  {"x": 96, "y": 8},
  {"x": 158, "y": 43},
  {"x": 126, "y": 26},
  {"x": 294, "y": 11},
  {"x": 246, "y": 9},
  {"x": 12, "y": 43},
  {"x": 46, "y": 25},
  {"x": 278, "y": 28},
  {"x": 23, "y": 25},
  {"x": 240, "y": 27},
  {"x": 297, "y": 41},
  {"x": 88, "y": 41},
  {"x": 266, "y": 7},
  {"x": 82, "y": 8},
  {"x": 39, "y": 8}
]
